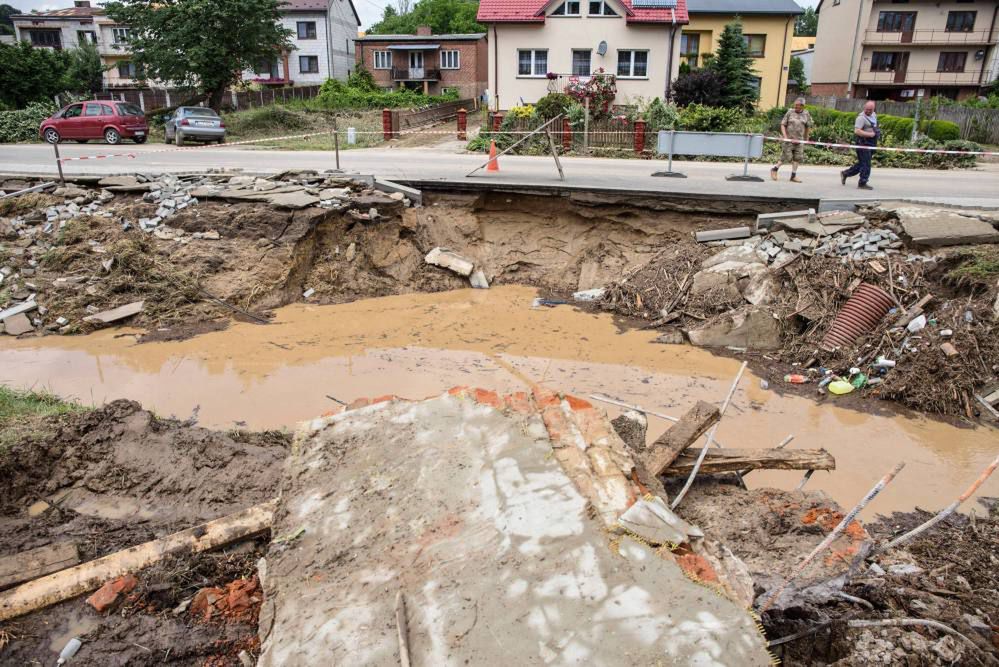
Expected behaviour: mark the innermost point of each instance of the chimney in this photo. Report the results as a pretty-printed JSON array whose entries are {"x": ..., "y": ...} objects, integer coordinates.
[
  {"x": 424, "y": 30},
  {"x": 82, "y": 3}
]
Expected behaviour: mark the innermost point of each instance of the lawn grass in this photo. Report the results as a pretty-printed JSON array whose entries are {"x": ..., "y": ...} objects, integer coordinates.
[
  {"x": 980, "y": 265},
  {"x": 23, "y": 414}
]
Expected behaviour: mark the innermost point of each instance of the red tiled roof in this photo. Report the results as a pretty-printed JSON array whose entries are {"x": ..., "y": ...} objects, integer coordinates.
[
  {"x": 529, "y": 11},
  {"x": 66, "y": 12}
]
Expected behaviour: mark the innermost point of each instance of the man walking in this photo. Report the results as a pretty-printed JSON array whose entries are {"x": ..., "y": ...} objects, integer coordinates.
[
  {"x": 796, "y": 125},
  {"x": 867, "y": 134}
]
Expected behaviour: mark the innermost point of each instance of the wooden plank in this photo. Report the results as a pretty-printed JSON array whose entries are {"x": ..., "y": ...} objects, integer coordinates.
[
  {"x": 88, "y": 576},
  {"x": 729, "y": 460},
  {"x": 681, "y": 435},
  {"x": 38, "y": 562}
]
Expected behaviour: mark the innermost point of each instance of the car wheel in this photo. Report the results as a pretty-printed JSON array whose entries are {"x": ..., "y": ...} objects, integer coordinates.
[
  {"x": 139, "y": 140},
  {"x": 81, "y": 141},
  {"x": 179, "y": 138},
  {"x": 52, "y": 135},
  {"x": 112, "y": 136}
]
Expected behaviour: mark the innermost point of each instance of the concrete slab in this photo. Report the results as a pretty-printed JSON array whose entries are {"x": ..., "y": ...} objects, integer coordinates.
[
  {"x": 15, "y": 325},
  {"x": 115, "y": 314},
  {"x": 462, "y": 503},
  {"x": 939, "y": 228}
]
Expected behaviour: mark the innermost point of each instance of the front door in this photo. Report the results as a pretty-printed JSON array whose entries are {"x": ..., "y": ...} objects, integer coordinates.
[
  {"x": 416, "y": 65},
  {"x": 71, "y": 125},
  {"x": 901, "y": 66}
]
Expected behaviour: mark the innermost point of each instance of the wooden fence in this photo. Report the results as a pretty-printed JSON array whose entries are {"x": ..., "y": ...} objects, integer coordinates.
[
  {"x": 980, "y": 125},
  {"x": 157, "y": 98}
]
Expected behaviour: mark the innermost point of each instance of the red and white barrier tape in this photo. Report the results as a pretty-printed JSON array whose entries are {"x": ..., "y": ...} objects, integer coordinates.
[{"x": 878, "y": 148}]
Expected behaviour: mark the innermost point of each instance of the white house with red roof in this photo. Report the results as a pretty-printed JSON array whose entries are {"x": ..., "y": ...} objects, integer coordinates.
[{"x": 538, "y": 46}]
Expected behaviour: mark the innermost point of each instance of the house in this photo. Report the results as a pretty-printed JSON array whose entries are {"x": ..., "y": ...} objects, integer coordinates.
[
  {"x": 322, "y": 37},
  {"x": 768, "y": 27},
  {"x": 807, "y": 57},
  {"x": 886, "y": 49},
  {"x": 427, "y": 62},
  {"x": 538, "y": 46}
]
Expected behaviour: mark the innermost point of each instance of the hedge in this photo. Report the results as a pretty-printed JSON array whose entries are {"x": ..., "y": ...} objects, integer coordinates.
[
  {"x": 22, "y": 125},
  {"x": 896, "y": 127}
]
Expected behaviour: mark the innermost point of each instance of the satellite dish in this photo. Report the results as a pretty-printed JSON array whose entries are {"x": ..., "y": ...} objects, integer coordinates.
[{"x": 602, "y": 49}]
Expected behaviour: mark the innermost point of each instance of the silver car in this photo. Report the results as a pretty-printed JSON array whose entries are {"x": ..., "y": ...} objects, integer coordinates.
[{"x": 194, "y": 123}]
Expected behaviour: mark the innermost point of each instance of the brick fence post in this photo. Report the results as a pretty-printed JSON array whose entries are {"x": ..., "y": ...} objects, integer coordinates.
[
  {"x": 387, "y": 124},
  {"x": 462, "y": 125},
  {"x": 566, "y": 135},
  {"x": 497, "y": 121},
  {"x": 639, "y": 136}
]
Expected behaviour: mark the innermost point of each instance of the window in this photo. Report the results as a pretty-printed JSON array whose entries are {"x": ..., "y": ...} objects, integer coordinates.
[
  {"x": 128, "y": 109},
  {"x": 896, "y": 21},
  {"x": 106, "y": 110},
  {"x": 601, "y": 8},
  {"x": 581, "y": 62},
  {"x": 74, "y": 111},
  {"x": 264, "y": 67},
  {"x": 567, "y": 8},
  {"x": 885, "y": 61},
  {"x": 690, "y": 48},
  {"x": 306, "y": 29},
  {"x": 126, "y": 69},
  {"x": 451, "y": 59},
  {"x": 755, "y": 82},
  {"x": 383, "y": 60},
  {"x": 308, "y": 64},
  {"x": 45, "y": 38},
  {"x": 952, "y": 61},
  {"x": 94, "y": 110},
  {"x": 121, "y": 35},
  {"x": 961, "y": 21},
  {"x": 633, "y": 64},
  {"x": 86, "y": 37},
  {"x": 532, "y": 62},
  {"x": 756, "y": 44}
]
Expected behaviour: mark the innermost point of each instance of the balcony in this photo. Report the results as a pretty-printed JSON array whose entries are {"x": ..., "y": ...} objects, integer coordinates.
[
  {"x": 416, "y": 74},
  {"x": 924, "y": 77},
  {"x": 939, "y": 37},
  {"x": 557, "y": 83}
]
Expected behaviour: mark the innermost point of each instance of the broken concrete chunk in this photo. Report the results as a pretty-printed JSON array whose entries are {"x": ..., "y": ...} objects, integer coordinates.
[
  {"x": 448, "y": 259},
  {"x": 632, "y": 426},
  {"x": 745, "y": 254},
  {"x": 15, "y": 325},
  {"x": 752, "y": 328},
  {"x": 307, "y": 293},
  {"x": 478, "y": 280},
  {"x": 19, "y": 308},
  {"x": 723, "y": 234},
  {"x": 351, "y": 252},
  {"x": 590, "y": 294},
  {"x": 945, "y": 228},
  {"x": 655, "y": 523},
  {"x": 115, "y": 314}
]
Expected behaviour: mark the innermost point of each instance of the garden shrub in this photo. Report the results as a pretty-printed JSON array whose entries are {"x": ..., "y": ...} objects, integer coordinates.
[
  {"x": 335, "y": 94},
  {"x": 660, "y": 116},
  {"x": 22, "y": 125},
  {"x": 700, "y": 118},
  {"x": 553, "y": 104}
]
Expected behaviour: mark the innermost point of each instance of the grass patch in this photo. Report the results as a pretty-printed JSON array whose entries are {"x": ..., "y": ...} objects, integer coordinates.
[
  {"x": 27, "y": 202},
  {"x": 23, "y": 414},
  {"x": 980, "y": 265}
]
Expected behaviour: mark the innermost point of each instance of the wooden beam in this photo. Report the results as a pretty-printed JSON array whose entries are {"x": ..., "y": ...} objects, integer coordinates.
[
  {"x": 84, "y": 578},
  {"x": 681, "y": 435},
  {"x": 36, "y": 563},
  {"x": 729, "y": 460}
]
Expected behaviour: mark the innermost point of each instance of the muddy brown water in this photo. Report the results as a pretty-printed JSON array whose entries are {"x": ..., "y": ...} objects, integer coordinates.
[{"x": 421, "y": 344}]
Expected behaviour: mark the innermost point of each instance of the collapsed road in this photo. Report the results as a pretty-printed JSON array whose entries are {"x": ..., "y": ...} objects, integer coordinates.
[{"x": 558, "y": 545}]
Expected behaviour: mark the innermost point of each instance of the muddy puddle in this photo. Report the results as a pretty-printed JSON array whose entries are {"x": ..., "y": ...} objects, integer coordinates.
[{"x": 417, "y": 345}]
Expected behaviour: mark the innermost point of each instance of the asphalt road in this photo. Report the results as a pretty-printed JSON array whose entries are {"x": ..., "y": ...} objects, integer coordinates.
[{"x": 962, "y": 186}]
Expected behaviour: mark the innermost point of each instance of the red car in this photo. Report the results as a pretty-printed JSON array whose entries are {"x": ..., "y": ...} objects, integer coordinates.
[{"x": 105, "y": 119}]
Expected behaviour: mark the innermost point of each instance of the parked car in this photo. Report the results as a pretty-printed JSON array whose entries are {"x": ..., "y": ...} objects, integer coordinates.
[
  {"x": 194, "y": 123},
  {"x": 107, "y": 119}
]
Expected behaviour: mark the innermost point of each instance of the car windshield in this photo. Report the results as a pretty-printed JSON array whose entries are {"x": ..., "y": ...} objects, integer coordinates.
[
  {"x": 129, "y": 110},
  {"x": 198, "y": 111}
]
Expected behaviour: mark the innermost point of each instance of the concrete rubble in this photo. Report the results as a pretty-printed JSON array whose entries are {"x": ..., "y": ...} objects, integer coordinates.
[{"x": 489, "y": 514}]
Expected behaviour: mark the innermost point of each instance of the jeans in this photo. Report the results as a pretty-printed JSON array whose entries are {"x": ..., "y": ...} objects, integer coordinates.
[{"x": 863, "y": 164}]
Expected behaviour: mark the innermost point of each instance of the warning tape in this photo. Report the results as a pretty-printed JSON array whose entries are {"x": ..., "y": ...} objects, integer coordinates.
[{"x": 878, "y": 148}]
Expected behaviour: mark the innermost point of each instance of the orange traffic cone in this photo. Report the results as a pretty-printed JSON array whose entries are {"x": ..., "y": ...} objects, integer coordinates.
[{"x": 493, "y": 163}]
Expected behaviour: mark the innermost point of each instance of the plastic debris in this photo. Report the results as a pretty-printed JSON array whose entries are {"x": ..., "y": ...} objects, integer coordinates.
[{"x": 840, "y": 387}]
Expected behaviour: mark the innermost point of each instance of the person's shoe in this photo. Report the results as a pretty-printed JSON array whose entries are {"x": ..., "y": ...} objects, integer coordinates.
[
  {"x": 842, "y": 177},
  {"x": 773, "y": 174},
  {"x": 864, "y": 186},
  {"x": 795, "y": 179}
]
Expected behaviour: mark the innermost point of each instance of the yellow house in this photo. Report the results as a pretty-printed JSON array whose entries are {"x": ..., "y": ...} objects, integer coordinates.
[{"x": 769, "y": 29}]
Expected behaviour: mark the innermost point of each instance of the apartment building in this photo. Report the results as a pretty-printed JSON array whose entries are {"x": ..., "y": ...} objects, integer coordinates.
[
  {"x": 768, "y": 28},
  {"x": 900, "y": 49}
]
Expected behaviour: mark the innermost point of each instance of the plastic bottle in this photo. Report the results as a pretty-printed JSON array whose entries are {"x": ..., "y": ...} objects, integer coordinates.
[
  {"x": 796, "y": 379},
  {"x": 68, "y": 651}
]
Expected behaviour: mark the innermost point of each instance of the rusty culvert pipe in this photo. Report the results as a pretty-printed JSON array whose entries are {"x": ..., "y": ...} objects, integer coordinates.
[{"x": 862, "y": 312}]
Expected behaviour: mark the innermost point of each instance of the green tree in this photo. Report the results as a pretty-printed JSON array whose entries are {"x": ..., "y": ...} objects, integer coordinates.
[
  {"x": 734, "y": 66},
  {"x": 6, "y": 23},
  {"x": 201, "y": 44},
  {"x": 85, "y": 71},
  {"x": 796, "y": 72},
  {"x": 30, "y": 75},
  {"x": 443, "y": 16},
  {"x": 807, "y": 24}
]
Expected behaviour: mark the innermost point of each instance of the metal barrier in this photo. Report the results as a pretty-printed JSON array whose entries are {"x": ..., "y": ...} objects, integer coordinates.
[{"x": 715, "y": 144}]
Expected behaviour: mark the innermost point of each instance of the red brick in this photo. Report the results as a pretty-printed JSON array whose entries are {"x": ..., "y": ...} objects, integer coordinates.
[{"x": 107, "y": 595}]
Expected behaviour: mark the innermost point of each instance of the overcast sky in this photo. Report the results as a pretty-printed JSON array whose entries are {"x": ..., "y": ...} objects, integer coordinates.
[{"x": 369, "y": 10}]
